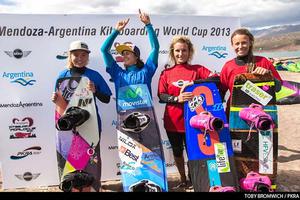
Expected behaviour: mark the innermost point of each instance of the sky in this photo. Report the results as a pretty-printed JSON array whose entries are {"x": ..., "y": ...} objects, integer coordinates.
[{"x": 253, "y": 13}]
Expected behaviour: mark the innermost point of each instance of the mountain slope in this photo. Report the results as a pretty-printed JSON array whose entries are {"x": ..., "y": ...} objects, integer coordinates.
[{"x": 279, "y": 38}]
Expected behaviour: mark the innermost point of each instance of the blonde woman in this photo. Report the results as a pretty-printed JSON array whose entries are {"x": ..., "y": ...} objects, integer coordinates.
[
  {"x": 171, "y": 81},
  {"x": 78, "y": 57}
]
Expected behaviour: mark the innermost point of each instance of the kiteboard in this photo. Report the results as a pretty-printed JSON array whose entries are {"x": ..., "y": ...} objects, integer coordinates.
[
  {"x": 139, "y": 142},
  {"x": 254, "y": 130},
  {"x": 289, "y": 93},
  {"x": 77, "y": 138},
  {"x": 209, "y": 146}
]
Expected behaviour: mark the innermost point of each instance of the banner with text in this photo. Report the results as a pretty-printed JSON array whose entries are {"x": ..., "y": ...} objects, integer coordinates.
[{"x": 33, "y": 51}]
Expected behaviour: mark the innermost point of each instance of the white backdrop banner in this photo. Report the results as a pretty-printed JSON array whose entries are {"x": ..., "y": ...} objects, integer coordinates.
[{"x": 33, "y": 52}]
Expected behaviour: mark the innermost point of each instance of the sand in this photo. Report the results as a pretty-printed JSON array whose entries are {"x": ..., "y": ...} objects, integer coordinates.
[{"x": 288, "y": 154}]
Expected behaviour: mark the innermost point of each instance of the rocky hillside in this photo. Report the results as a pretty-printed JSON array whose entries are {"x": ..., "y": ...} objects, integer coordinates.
[{"x": 279, "y": 38}]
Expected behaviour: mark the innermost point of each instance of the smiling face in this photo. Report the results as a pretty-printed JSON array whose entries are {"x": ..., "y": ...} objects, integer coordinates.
[
  {"x": 79, "y": 58},
  {"x": 181, "y": 53},
  {"x": 129, "y": 58},
  {"x": 241, "y": 44}
]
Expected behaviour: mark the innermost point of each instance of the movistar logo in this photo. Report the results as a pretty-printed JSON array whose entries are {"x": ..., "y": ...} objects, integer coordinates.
[
  {"x": 133, "y": 94},
  {"x": 132, "y": 97}
]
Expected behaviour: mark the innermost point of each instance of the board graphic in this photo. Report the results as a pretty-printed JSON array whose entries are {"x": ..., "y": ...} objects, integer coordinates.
[
  {"x": 139, "y": 142},
  {"x": 77, "y": 138},
  {"x": 209, "y": 146},
  {"x": 254, "y": 129}
]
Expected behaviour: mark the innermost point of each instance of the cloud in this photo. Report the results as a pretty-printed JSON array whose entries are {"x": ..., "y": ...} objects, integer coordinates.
[
  {"x": 252, "y": 13},
  {"x": 271, "y": 12},
  {"x": 6, "y": 2}
]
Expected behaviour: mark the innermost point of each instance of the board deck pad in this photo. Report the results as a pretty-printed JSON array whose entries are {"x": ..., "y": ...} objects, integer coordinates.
[
  {"x": 77, "y": 149},
  {"x": 210, "y": 155},
  {"x": 255, "y": 150},
  {"x": 140, "y": 147}
]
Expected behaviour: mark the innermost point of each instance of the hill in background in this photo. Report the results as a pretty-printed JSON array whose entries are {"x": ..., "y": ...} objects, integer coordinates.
[{"x": 278, "y": 38}]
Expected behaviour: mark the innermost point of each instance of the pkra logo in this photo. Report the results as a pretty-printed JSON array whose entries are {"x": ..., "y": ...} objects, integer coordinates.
[
  {"x": 17, "y": 53},
  {"x": 35, "y": 150},
  {"x": 22, "y": 128}
]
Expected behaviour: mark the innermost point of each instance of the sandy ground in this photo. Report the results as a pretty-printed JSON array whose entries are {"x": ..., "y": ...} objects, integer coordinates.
[
  {"x": 289, "y": 140},
  {"x": 288, "y": 159}
]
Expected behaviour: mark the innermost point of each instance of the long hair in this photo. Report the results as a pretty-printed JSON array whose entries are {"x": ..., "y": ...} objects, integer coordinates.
[
  {"x": 181, "y": 39},
  {"x": 139, "y": 63},
  {"x": 250, "y": 57}
]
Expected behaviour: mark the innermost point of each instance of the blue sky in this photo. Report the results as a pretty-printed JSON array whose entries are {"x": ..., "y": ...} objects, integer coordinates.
[{"x": 253, "y": 13}]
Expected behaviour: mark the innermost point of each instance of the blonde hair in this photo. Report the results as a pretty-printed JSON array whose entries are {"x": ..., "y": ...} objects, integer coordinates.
[
  {"x": 184, "y": 40},
  {"x": 70, "y": 64}
]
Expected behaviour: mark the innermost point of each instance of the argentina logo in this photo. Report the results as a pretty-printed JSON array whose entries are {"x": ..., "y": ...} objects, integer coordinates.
[{"x": 216, "y": 51}]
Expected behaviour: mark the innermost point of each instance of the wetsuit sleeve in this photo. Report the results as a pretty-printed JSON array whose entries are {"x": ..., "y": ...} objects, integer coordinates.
[
  {"x": 111, "y": 65},
  {"x": 106, "y": 46},
  {"x": 162, "y": 84},
  {"x": 62, "y": 74},
  {"x": 152, "y": 61},
  {"x": 203, "y": 73},
  {"x": 154, "y": 44},
  {"x": 162, "y": 92},
  {"x": 166, "y": 98},
  {"x": 102, "y": 97},
  {"x": 103, "y": 91},
  {"x": 224, "y": 81}
]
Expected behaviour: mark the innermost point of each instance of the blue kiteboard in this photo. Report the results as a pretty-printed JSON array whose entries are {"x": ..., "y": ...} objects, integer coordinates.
[{"x": 209, "y": 146}]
